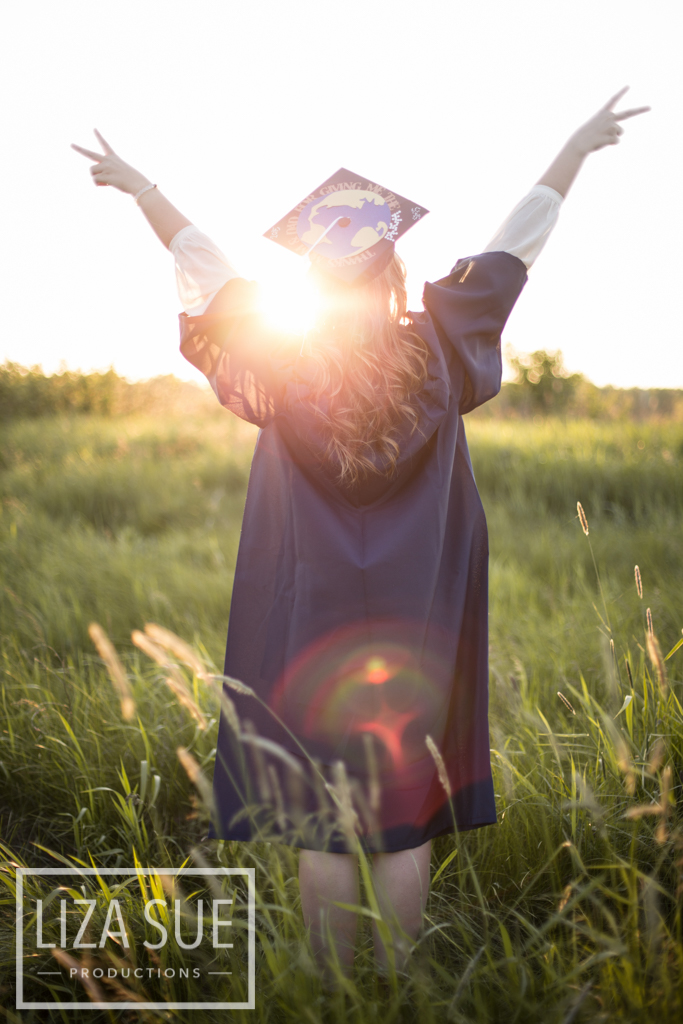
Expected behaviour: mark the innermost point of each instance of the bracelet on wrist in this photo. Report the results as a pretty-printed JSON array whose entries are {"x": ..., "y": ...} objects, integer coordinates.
[{"x": 142, "y": 191}]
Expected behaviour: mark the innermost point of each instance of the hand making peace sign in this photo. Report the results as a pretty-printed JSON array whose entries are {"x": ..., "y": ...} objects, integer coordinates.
[
  {"x": 603, "y": 129},
  {"x": 110, "y": 169}
]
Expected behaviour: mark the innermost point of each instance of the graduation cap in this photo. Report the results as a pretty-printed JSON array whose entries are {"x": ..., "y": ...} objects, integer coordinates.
[{"x": 347, "y": 226}]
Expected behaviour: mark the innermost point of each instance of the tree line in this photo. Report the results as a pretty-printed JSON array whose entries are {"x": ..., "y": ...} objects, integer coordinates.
[{"x": 541, "y": 387}]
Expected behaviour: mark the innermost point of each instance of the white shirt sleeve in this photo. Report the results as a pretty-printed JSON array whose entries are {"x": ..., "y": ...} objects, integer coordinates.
[
  {"x": 525, "y": 231},
  {"x": 201, "y": 269}
]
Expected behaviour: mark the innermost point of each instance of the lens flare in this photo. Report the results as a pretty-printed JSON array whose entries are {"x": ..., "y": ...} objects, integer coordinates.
[
  {"x": 290, "y": 303},
  {"x": 376, "y": 671},
  {"x": 347, "y": 686}
]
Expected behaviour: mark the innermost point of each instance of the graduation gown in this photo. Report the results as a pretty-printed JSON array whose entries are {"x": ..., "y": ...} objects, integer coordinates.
[{"x": 359, "y": 614}]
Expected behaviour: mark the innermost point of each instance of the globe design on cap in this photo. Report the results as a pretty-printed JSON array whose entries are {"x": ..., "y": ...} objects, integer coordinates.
[
  {"x": 344, "y": 223},
  {"x": 347, "y": 225}
]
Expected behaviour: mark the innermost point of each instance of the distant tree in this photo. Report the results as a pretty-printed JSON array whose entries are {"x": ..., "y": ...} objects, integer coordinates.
[{"x": 543, "y": 380}]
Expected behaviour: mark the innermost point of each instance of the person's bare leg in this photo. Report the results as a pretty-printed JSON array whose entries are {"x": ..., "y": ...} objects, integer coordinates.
[
  {"x": 401, "y": 882},
  {"x": 326, "y": 878}
]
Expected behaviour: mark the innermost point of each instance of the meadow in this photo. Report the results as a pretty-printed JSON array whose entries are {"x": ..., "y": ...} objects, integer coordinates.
[{"x": 569, "y": 910}]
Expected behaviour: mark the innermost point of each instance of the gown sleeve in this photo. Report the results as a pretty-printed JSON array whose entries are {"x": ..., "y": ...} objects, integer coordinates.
[
  {"x": 470, "y": 307},
  {"x": 469, "y": 310},
  {"x": 527, "y": 228},
  {"x": 201, "y": 269},
  {"x": 240, "y": 356}
]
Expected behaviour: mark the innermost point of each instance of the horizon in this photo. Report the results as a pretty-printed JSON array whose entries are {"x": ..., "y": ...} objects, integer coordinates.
[{"x": 200, "y": 381}]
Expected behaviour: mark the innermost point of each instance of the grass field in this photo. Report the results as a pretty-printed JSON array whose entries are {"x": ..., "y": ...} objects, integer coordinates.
[{"x": 568, "y": 910}]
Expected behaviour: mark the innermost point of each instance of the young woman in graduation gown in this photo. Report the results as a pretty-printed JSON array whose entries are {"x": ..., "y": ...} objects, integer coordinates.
[{"x": 359, "y": 611}]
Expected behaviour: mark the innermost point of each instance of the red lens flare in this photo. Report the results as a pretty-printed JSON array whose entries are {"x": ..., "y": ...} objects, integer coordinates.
[
  {"x": 377, "y": 671},
  {"x": 369, "y": 694},
  {"x": 387, "y": 684}
]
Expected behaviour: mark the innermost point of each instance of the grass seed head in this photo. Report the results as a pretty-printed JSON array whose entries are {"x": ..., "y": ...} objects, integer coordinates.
[
  {"x": 149, "y": 648},
  {"x": 639, "y": 583},
  {"x": 582, "y": 517},
  {"x": 93, "y": 990},
  {"x": 565, "y": 702},
  {"x": 642, "y": 811},
  {"x": 185, "y": 698},
  {"x": 650, "y": 627},
  {"x": 158, "y": 654},
  {"x": 655, "y": 653},
  {"x": 565, "y": 898},
  {"x": 662, "y": 831},
  {"x": 107, "y": 653},
  {"x": 440, "y": 765},
  {"x": 165, "y": 638},
  {"x": 346, "y": 815},
  {"x": 623, "y": 756},
  {"x": 194, "y": 774},
  {"x": 661, "y": 809},
  {"x": 190, "y": 765},
  {"x": 657, "y": 756},
  {"x": 666, "y": 790},
  {"x": 234, "y": 684}
]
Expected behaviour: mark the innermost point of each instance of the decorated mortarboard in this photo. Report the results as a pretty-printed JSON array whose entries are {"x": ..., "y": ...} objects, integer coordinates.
[{"x": 347, "y": 226}]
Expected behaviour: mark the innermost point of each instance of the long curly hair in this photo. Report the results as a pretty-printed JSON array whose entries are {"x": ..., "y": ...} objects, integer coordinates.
[{"x": 367, "y": 365}]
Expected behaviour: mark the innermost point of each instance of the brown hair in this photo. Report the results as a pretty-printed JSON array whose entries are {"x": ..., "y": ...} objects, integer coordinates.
[{"x": 368, "y": 364}]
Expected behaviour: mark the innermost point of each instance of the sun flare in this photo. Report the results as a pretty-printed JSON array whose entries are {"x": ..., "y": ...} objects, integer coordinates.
[{"x": 290, "y": 302}]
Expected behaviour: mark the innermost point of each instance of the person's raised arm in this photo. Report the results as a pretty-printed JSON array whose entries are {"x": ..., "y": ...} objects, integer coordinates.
[
  {"x": 201, "y": 268},
  {"x": 603, "y": 129},
  {"x": 527, "y": 228},
  {"x": 110, "y": 169}
]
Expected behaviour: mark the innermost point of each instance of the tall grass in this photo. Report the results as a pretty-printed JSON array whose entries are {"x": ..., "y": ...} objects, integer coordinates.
[
  {"x": 568, "y": 910},
  {"x": 120, "y": 520}
]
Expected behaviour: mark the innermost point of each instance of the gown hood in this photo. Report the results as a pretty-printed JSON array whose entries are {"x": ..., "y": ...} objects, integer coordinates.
[{"x": 304, "y": 424}]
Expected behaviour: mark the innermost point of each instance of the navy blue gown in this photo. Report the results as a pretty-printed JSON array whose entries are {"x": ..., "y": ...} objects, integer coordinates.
[{"x": 359, "y": 614}]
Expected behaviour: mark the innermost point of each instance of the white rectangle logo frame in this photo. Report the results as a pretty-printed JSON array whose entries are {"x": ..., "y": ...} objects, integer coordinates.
[{"x": 22, "y": 873}]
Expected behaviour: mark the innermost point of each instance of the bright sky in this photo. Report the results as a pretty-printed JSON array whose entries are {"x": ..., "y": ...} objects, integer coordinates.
[{"x": 238, "y": 110}]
